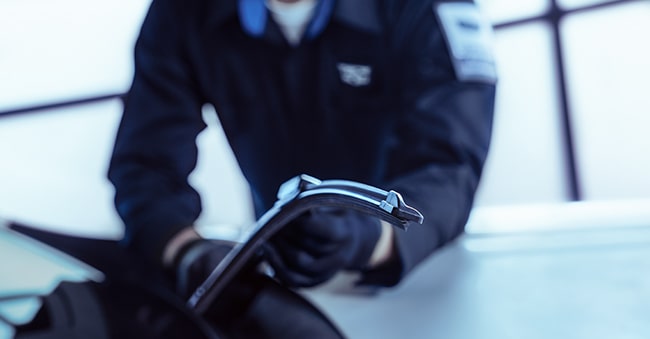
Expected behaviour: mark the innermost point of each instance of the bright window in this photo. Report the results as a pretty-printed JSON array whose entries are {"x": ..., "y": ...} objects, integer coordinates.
[
  {"x": 500, "y": 11},
  {"x": 65, "y": 49},
  {"x": 526, "y": 163},
  {"x": 573, "y": 4},
  {"x": 608, "y": 66}
]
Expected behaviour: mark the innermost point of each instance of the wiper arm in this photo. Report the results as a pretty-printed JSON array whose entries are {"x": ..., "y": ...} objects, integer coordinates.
[{"x": 295, "y": 197}]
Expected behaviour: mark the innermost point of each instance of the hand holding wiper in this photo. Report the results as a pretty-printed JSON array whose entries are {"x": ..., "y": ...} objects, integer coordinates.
[{"x": 295, "y": 197}]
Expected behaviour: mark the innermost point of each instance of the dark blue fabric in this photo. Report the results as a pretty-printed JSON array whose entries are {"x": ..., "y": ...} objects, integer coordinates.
[
  {"x": 288, "y": 110},
  {"x": 323, "y": 13}
]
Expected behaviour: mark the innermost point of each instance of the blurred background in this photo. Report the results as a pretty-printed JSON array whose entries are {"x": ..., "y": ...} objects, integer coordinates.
[
  {"x": 571, "y": 117},
  {"x": 569, "y": 150}
]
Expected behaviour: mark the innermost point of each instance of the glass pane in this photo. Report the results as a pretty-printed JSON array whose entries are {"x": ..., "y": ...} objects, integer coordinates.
[
  {"x": 54, "y": 168},
  {"x": 526, "y": 162},
  {"x": 572, "y": 4},
  {"x": 500, "y": 11},
  {"x": 62, "y": 49},
  {"x": 608, "y": 67}
]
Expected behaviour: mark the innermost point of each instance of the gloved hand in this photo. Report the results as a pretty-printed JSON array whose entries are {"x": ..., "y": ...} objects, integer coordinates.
[
  {"x": 195, "y": 261},
  {"x": 318, "y": 244}
]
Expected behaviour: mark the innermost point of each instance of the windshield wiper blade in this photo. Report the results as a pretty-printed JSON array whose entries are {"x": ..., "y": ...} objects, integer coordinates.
[{"x": 296, "y": 196}]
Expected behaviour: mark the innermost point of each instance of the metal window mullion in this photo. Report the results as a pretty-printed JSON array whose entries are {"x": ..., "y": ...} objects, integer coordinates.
[
  {"x": 54, "y": 105},
  {"x": 556, "y": 14}
]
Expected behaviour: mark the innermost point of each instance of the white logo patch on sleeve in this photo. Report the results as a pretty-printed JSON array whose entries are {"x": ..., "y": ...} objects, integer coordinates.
[{"x": 469, "y": 38}]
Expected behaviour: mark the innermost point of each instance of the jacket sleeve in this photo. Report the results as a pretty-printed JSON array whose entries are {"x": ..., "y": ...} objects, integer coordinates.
[
  {"x": 155, "y": 148},
  {"x": 439, "y": 144}
]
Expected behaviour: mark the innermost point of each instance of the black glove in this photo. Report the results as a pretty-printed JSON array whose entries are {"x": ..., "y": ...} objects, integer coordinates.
[
  {"x": 196, "y": 261},
  {"x": 315, "y": 246}
]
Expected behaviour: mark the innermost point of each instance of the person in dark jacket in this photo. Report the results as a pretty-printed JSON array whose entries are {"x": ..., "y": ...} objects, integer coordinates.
[{"x": 393, "y": 93}]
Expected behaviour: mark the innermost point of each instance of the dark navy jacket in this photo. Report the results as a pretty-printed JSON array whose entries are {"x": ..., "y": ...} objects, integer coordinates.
[{"x": 408, "y": 124}]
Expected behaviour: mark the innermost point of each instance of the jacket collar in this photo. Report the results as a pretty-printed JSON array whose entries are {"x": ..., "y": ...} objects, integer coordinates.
[
  {"x": 359, "y": 13},
  {"x": 254, "y": 16}
]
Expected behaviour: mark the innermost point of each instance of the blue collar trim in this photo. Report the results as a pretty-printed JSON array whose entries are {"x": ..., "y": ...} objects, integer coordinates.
[
  {"x": 253, "y": 16},
  {"x": 322, "y": 15}
]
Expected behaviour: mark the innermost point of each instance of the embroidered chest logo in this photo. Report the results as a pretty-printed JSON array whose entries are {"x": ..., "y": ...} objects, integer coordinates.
[{"x": 354, "y": 75}]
